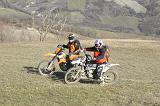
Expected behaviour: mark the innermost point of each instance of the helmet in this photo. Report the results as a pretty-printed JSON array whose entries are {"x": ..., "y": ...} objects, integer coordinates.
[
  {"x": 71, "y": 37},
  {"x": 98, "y": 43}
]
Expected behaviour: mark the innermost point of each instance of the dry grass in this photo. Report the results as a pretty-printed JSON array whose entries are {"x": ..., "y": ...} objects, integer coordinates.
[{"x": 138, "y": 83}]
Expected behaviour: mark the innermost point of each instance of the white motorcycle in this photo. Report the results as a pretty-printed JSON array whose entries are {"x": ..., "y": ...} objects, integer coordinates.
[{"x": 84, "y": 70}]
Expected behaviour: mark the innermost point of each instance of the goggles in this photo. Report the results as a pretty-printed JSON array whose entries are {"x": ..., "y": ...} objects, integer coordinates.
[
  {"x": 71, "y": 40},
  {"x": 97, "y": 45}
]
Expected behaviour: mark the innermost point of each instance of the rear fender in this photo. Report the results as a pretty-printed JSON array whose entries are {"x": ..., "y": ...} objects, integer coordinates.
[
  {"x": 111, "y": 65},
  {"x": 107, "y": 67}
]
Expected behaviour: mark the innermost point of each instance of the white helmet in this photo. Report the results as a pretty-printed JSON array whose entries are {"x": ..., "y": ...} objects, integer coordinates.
[
  {"x": 98, "y": 43},
  {"x": 71, "y": 37}
]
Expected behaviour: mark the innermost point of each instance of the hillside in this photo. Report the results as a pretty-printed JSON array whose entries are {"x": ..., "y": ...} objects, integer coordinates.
[{"x": 133, "y": 16}]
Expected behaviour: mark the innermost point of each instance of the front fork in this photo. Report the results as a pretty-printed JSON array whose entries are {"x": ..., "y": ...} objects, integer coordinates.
[
  {"x": 79, "y": 71},
  {"x": 49, "y": 67}
]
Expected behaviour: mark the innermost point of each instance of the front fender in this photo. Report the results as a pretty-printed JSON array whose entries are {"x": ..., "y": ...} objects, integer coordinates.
[{"x": 50, "y": 54}]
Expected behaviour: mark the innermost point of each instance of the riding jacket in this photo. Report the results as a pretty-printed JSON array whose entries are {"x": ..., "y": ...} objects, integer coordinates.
[
  {"x": 73, "y": 46},
  {"x": 101, "y": 54}
]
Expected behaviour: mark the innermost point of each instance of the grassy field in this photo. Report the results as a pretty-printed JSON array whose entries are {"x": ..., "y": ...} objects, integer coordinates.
[{"x": 138, "y": 84}]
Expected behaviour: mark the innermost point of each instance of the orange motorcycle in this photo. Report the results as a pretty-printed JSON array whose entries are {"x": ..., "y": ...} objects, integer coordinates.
[{"x": 47, "y": 67}]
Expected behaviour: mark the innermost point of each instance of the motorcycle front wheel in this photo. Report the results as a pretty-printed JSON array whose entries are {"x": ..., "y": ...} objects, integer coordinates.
[
  {"x": 46, "y": 68},
  {"x": 73, "y": 75}
]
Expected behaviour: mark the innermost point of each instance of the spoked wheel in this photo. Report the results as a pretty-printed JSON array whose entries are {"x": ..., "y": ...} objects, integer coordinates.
[
  {"x": 73, "y": 75},
  {"x": 46, "y": 68},
  {"x": 110, "y": 77}
]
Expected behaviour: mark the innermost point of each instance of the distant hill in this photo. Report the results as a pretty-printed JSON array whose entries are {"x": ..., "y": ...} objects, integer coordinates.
[{"x": 133, "y": 16}]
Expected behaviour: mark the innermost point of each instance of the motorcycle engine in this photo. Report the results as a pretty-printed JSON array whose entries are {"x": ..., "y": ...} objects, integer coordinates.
[{"x": 89, "y": 70}]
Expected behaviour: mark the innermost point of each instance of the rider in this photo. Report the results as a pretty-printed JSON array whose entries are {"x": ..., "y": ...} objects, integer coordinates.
[
  {"x": 73, "y": 45},
  {"x": 101, "y": 54}
]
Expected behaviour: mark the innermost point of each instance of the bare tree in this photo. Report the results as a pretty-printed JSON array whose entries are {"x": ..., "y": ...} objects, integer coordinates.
[{"x": 51, "y": 21}]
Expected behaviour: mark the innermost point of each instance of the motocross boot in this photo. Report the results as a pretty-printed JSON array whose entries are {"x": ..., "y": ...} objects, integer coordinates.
[{"x": 95, "y": 76}]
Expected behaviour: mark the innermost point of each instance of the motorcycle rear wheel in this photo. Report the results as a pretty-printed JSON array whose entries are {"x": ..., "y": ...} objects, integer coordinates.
[
  {"x": 110, "y": 77},
  {"x": 42, "y": 68}
]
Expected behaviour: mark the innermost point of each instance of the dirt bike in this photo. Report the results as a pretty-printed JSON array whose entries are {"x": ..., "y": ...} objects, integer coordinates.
[
  {"x": 47, "y": 67},
  {"x": 83, "y": 69}
]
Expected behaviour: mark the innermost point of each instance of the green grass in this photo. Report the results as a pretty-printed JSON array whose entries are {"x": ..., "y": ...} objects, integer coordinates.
[
  {"x": 113, "y": 35},
  {"x": 76, "y": 4},
  {"x": 10, "y": 13},
  {"x": 76, "y": 17},
  {"x": 121, "y": 21},
  {"x": 138, "y": 83},
  {"x": 138, "y": 8},
  {"x": 12, "y": 1}
]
